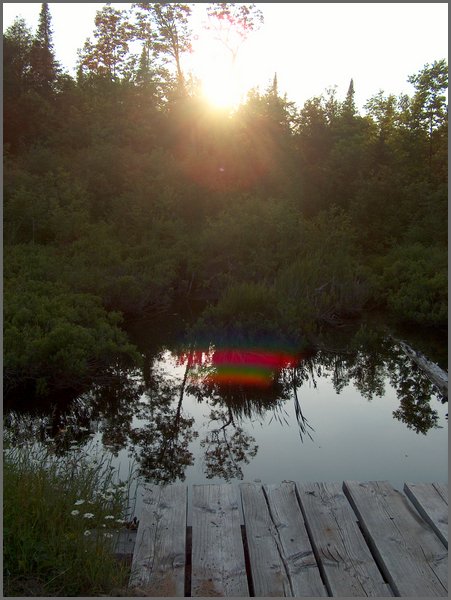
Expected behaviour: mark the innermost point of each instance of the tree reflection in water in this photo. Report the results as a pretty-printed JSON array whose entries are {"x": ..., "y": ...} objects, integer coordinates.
[
  {"x": 227, "y": 447},
  {"x": 161, "y": 446},
  {"x": 147, "y": 416},
  {"x": 414, "y": 392}
]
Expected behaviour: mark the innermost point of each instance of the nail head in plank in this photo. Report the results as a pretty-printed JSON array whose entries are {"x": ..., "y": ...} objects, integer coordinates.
[
  {"x": 410, "y": 555},
  {"x": 348, "y": 567},
  {"x": 431, "y": 506},
  {"x": 218, "y": 565},
  {"x": 158, "y": 566}
]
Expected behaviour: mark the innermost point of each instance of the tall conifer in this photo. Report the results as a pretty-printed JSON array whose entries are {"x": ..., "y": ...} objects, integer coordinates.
[
  {"x": 349, "y": 108},
  {"x": 44, "y": 67}
]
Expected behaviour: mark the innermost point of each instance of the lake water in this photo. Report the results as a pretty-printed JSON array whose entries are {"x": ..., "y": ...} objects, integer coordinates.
[{"x": 215, "y": 415}]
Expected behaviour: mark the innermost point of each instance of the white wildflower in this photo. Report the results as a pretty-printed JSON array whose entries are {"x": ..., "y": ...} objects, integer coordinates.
[
  {"x": 75, "y": 512},
  {"x": 121, "y": 521},
  {"x": 109, "y": 517},
  {"x": 88, "y": 515},
  {"x": 108, "y": 535},
  {"x": 103, "y": 525},
  {"x": 87, "y": 532},
  {"x": 78, "y": 502}
]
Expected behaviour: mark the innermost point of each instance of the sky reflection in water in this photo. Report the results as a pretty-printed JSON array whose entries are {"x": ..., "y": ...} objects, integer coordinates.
[{"x": 192, "y": 415}]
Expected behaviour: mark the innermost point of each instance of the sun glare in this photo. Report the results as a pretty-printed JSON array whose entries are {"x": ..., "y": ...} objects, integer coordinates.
[
  {"x": 221, "y": 90},
  {"x": 222, "y": 79}
]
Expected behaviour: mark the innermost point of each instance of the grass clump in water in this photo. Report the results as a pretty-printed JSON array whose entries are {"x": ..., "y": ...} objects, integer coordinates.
[{"x": 61, "y": 515}]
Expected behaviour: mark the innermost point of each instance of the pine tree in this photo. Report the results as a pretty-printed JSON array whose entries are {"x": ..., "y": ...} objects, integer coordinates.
[
  {"x": 44, "y": 67},
  {"x": 275, "y": 87},
  {"x": 143, "y": 73},
  {"x": 349, "y": 108}
]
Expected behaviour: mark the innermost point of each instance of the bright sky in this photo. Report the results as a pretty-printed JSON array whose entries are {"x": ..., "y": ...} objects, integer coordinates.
[{"x": 311, "y": 46}]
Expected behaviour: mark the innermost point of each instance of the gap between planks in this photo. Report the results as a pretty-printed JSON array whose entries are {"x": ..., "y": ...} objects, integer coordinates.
[{"x": 298, "y": 540}]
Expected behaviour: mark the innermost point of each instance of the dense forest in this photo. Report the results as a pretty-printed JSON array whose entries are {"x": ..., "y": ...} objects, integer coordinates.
[{"x": 125, "y": 193}]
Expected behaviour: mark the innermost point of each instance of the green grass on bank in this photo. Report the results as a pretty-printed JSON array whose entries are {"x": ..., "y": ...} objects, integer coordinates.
[{"x": 60, "y": 517}]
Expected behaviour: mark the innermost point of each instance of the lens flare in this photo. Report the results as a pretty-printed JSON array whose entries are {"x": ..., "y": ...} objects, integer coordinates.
[{"x": 238, "y": 366}]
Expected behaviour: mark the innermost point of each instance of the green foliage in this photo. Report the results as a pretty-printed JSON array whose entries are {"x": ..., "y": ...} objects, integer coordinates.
[
  {"x": 428, "y": 106},
  {"x": 57, "y": 338},
  {"x": 43, "y": 208},
  {"x": 105, "y": 58},
  {"x": 60, "y": 516},
  {"x": 124, "y": 193},
  {"x": 413, "y": 281},
  {"x": 325, "y": 280},
  {"x": 44, "y": 67},
  {"x": 247, "y": 313},
  {"x": 17, "y": 41},
  {"x": 248, "y": 241}
]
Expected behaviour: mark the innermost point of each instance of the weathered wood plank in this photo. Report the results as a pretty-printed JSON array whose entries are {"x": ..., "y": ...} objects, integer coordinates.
[
  {"x": 158, "y": 566},
  {"x": 293, "y": 542},
  {"x": 431, "y": 506},
  {"x": 278, "y": 567},
  {"x": 344, "y": 557},
  {"x": 410, "y": 555},
  {"x": 442, "y": 489},
  {"x": 268, "y": 574},
  {"x": 218, "y": 564}
]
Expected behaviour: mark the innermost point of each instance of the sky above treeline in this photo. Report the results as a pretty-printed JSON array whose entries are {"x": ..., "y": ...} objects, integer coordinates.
[{"x": 311, "y": 46}]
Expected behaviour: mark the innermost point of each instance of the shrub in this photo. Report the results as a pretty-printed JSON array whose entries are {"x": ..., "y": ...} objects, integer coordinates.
[
  {"x": 58, "y": 337},
  {"x": 248, "y": 313},
  {"x": 412, "y": 280}
]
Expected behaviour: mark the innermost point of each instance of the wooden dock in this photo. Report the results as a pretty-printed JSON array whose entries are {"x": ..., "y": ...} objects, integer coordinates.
[{"x": 293, "y": 539}]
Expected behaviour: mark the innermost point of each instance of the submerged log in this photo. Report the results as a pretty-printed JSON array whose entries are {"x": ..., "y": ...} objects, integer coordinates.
[{"x": 435, "y": 374}]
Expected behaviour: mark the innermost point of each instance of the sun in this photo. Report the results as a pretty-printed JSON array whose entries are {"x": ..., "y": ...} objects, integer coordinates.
[
  {"x": 221, "y": 89},
  {"x": 222, "y": 81}
]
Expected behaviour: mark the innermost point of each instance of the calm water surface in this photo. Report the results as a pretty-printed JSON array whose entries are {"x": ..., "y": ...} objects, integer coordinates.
[{"x": 365, "y": 412}]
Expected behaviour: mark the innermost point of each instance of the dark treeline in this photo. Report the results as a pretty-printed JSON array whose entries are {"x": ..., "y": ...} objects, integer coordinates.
[{"x": 125, "y": 192}]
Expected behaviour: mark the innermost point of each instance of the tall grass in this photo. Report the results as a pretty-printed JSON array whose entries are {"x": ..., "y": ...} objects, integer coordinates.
[{"x": 60, "y": 519}]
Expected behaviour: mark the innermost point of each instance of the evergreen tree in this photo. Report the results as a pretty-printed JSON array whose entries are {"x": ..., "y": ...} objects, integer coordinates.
[
  {"x": 275, "y": 86},
  {"x": 143, "y": 75},
  {"x": 349, "y": 108},
  {"x": 44, "y": 67}
]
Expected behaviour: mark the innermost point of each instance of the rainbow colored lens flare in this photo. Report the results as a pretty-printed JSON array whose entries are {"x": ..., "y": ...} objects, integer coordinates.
[{"x": 238, "y": 366}]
